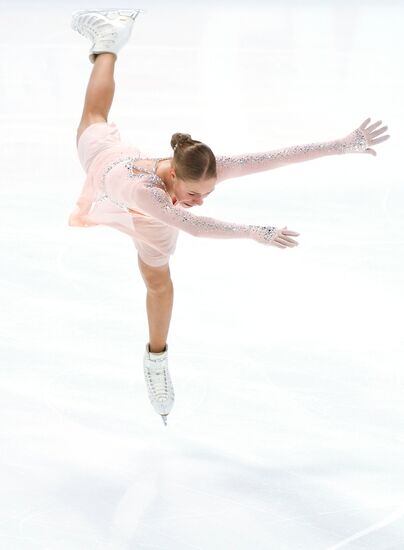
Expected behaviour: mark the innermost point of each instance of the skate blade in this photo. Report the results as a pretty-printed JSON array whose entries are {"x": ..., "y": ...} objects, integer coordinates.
[{"x": 164, "y": 418}]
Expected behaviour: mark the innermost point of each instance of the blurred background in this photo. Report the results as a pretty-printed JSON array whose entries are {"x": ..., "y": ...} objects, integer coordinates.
[{"x": 287, "y": 431}]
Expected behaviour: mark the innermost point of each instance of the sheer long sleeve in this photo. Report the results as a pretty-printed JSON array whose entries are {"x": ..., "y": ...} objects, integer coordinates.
[
  {"x": 154, "y": 201},
  {"x": 251, "y": 163}
]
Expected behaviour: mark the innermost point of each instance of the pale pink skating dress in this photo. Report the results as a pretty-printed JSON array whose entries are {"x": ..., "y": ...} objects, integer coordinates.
[{"x": 122, "y": 191}]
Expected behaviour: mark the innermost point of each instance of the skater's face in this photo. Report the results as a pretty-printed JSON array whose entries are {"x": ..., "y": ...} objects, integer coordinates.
[{"x": 190, "y": 193}]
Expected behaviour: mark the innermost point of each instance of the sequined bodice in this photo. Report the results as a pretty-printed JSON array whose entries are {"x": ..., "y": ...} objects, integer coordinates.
[{"x": 134, "y": 169}]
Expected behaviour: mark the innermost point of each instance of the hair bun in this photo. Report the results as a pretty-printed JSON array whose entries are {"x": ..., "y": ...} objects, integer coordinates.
[
  {"x": 180, "y": 139},
  {"x": 192, "y": 160}
]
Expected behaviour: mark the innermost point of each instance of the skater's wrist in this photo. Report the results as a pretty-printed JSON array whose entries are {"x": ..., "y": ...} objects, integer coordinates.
[{"x": 262, "y": 233}]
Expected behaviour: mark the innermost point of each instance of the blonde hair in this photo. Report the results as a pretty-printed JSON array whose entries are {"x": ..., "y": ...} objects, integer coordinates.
[{"x": 193, "y": 160}]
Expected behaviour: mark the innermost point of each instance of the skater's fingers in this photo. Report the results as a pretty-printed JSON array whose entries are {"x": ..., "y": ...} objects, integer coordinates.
[
  {"x": 365, "y": 123},
  {"x": 291, "y": 241},
  {"x": 373, "y": 126},
  {"x": 286, "y": 242},
  {"x": 283, "y": 237}
]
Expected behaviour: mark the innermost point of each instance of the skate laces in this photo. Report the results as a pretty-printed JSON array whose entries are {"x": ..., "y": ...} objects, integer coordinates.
[
  {"x": 106, "y": 38},
  {"x": 107, "y": 41},
  {"x": 96, "y": 30},
  {"x": 158, "y": 382}
]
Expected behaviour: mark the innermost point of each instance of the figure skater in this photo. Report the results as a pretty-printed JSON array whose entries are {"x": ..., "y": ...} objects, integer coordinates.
[{"x": 149, "y": 198}]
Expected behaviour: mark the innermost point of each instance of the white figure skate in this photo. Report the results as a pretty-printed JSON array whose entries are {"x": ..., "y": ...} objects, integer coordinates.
[
  {"x": 158, "y": 380},
  {"x": 109, "y": 30}
]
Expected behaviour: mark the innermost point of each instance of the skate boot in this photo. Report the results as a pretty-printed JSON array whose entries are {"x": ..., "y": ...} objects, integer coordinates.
[
  {"x": 158, "y": 380},
  {"x": 108, "y": 30}
]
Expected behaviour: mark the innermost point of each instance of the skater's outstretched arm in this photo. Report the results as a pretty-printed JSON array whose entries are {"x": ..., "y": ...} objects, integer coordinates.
[
  {"x": 356, "y": 142},
  {"x": 152, "y": 199}
]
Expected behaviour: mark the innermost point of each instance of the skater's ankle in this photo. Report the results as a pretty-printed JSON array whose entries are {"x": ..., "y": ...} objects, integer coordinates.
[
  {"x": 104, "y": 56},
  {"x": 157, "y": 349}
]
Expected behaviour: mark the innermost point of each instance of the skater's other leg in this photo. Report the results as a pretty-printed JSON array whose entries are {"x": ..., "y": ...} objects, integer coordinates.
[
  {"x": 159, "y": 303},
  {"x": 100, "y": 92}
]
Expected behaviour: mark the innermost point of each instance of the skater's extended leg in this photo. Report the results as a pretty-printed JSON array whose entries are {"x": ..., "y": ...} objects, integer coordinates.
[
  {"x": 109, "y": 31},
  {"x": 100, "y": 92},
  {"x": 159, "y": 303}
]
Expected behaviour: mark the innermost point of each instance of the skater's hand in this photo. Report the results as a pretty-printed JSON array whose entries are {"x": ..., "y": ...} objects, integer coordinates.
[
  {"x": 267, "y": 234},
  {"x": 359, "y": 140}
]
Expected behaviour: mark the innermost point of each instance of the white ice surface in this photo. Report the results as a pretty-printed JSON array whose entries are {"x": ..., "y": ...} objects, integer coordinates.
[{"x": 288, "y": 427}]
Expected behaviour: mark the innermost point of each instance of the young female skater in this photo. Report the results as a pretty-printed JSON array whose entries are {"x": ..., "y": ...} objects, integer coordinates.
[{"x": 148, "y": 198}]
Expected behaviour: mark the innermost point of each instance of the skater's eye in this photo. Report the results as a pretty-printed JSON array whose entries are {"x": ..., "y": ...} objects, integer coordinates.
[{"x": 193, "y": 194}]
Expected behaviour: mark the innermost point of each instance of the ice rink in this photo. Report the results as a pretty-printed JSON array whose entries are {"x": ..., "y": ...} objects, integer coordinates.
[{"x": 288, "y": 364}]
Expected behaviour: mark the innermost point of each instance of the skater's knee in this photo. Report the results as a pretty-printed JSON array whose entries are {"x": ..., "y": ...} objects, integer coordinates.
[{"x": 155, "y": 278}]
